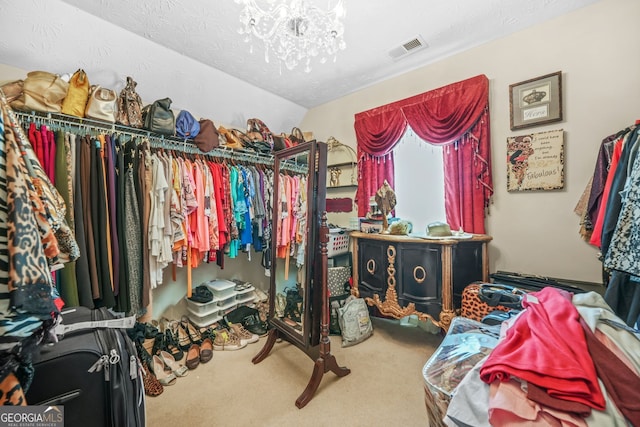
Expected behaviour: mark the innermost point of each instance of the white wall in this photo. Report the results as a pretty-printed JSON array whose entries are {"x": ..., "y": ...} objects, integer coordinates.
[
  {"x": 594, "y": 47},
  {"x": 72, "y": 39}
]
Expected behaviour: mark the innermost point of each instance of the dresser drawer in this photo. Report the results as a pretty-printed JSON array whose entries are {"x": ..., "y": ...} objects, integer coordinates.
[
  {"x": 372, "y": 268},
  {"x": 420, "y": 277}
]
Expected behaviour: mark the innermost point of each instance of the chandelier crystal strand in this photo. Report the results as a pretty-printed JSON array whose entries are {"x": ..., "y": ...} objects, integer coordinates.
[{"x": 294, "y": 32}]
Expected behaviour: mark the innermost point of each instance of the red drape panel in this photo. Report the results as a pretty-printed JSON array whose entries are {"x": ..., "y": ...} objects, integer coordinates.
[
  {"x": 374, "y": 170},
  {"x": 456, "y": 114},
  {"x": 467, "y": 178}
]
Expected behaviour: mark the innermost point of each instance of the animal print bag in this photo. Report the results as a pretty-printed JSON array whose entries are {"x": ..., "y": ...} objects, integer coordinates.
[
  {"x": 129, "y": 106},
  {"x": 473, "y": 307}
]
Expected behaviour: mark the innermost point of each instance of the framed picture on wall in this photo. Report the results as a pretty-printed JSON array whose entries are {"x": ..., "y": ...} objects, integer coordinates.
[
  {"x": 536, "y": 161},
  {"x": 536, "y": 101}
]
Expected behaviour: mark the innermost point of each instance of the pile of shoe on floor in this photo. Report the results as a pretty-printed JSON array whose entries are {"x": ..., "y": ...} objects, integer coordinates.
[{"x": 169, "y": 349}]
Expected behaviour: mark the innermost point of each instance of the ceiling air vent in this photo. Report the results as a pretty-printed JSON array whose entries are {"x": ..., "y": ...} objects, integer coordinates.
[{"x": 415, "y": 44}]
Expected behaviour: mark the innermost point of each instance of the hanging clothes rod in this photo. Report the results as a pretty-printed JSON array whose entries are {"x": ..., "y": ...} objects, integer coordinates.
[{"x": 156, "y": 140}]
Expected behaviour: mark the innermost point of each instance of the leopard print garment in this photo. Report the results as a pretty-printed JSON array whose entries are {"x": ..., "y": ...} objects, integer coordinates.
[
  {"x": 11, "y": 392},
  {"x": 30, "y": 282},
  {"x": 13, "y": 325},
  {"x": 54, "y": 206}
]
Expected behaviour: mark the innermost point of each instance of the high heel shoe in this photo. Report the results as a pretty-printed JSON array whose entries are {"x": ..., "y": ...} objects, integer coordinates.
[
  {"x": 177, "y": 368},
  {"x": 181, "y": 334},
  {"x": 159, "y": 370},
  {"x": 170, "y": 341},
  {"x": 152, "y": 387},
  {"x": 194, "y": 334}
]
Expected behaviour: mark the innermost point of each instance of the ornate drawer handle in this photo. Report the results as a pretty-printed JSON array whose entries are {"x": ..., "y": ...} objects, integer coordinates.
[
  {"x": 371, "y": 266},
  {"x": 415, "y": 274},
  {"x": 391, "y": 251}
]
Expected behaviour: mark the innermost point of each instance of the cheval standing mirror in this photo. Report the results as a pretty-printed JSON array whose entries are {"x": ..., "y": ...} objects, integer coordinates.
[{"x": 298, "y": 308}]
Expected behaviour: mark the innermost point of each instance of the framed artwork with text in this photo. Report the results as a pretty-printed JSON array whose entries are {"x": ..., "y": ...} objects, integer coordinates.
[
  {"x": 535, "y": 161},
  {"x": 536, "y": 101}
]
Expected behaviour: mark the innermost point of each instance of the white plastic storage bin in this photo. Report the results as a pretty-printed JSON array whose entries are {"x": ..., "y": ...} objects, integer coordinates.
[
  {"x": 246, "y": 297},
  {"x": 229, "y": 300},
  {"x": 338, "y": 242},
  {"x": 243, "y": 293},
  {"x": 228, "y": 308},
  {"x": 204, "y": 321},
  {"x": 202, "y": 309},
  {"x": 222, "y": 289}
]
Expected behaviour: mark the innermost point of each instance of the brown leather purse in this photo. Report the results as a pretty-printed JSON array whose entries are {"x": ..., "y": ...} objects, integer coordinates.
[
  {"x": 207, "y": 139},
  {"x": 296, "y": 137},
  {"x": 231, "y": 140}
]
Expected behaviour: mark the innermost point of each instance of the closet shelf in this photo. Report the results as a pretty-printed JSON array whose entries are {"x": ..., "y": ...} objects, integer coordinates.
[
  {"x": 157, "y": 140},
  {"x": 341, "y": 165},
  {"x": 341, "y": 186}
]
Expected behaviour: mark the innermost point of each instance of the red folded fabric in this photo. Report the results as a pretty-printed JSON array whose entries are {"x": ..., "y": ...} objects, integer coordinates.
[
  {"x": 546, "y": 346},
  {"x": 622, "y": 383},
  {"x": 538, "y": 395}
]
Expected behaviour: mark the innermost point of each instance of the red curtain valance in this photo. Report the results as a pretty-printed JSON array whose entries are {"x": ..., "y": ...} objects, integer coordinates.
[
  {"x": 456, "y": 113},
  {"x": 439, "y": 116}
]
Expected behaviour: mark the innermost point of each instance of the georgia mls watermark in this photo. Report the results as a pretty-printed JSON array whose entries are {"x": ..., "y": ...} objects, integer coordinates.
[{"x": 32, "y": 416}]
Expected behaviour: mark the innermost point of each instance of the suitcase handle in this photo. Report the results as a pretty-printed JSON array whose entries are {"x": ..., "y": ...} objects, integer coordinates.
[
  {"x": 61, "y": 399},
  {"x": 123, "y": 323}
]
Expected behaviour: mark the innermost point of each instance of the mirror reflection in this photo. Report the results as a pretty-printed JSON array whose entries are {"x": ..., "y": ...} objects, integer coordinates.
[{"x": 290, "y": 240}]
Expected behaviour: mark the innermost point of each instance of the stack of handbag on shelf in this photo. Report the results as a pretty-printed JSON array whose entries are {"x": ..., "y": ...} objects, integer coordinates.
[{"x": 74, "y": 95}]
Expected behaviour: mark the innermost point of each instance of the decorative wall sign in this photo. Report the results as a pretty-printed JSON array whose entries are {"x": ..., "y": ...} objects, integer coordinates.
[
  {"x": 536, "y": 101},
  {"x": 344, "y": 204},
  {"x": 536, "y": 161}
]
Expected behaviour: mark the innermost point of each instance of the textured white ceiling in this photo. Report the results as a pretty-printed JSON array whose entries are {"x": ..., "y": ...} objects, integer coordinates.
[{"x": 206, "y": 31}]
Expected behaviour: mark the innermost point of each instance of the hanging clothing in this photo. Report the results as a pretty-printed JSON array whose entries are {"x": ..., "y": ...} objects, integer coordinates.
[
  {"x": 158, "y": 190},
  {"x": 84, "y": 273},
  {"x": 67, "y": 284},
  {"x": 113, "y": 193},
  {"x": 614, "y": 202},
  {"x": 133, "y": 229},
  {"x": 624, "y": 250}
]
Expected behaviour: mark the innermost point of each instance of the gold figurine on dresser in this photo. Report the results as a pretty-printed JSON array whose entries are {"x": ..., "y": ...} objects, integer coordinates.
[{"x": 416, "y": 275}]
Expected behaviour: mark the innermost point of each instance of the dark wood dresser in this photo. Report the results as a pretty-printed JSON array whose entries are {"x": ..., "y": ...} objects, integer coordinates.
[{"x": 404, "y": 275}]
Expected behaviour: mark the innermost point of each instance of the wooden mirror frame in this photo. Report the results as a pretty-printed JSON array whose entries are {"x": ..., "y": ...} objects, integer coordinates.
[
  {"x": 288, "y": 161},
  {"x": 314, "y": 339}
]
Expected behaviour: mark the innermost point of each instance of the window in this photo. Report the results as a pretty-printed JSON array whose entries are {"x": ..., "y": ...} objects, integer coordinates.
[{"x": 419, "y": 181}]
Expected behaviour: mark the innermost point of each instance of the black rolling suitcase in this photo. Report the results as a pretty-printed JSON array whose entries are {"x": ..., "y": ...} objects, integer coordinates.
[
  {"x": 92, "y": 371},
  {"x": 536, "y": 283}
]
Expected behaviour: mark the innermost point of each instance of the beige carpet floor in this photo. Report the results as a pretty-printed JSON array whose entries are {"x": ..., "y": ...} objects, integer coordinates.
[{"x": 384, "y": 388}]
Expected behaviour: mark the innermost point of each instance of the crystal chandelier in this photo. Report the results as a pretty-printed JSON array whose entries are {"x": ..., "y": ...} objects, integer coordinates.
[{"x": 294, "y": 31}]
